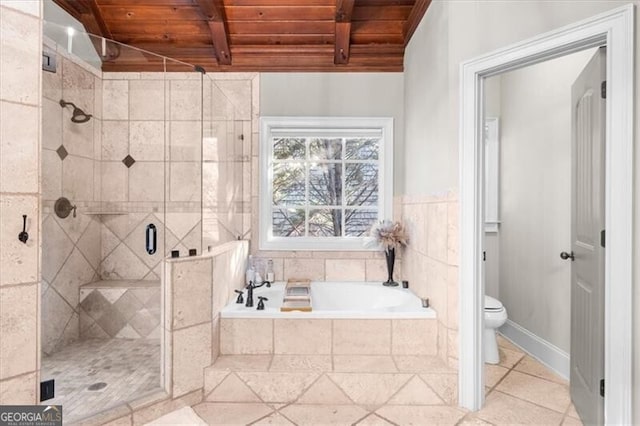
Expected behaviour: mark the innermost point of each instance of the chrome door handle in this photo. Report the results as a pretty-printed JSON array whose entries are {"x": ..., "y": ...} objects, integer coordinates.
[{"x": 564, "y": 256}]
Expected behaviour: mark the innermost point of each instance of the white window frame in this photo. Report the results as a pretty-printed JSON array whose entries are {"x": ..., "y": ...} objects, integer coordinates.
[{"x": 341, "y": 125}]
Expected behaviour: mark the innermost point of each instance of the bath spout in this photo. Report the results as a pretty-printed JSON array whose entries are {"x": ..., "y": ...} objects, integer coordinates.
[{"x": 250, "y": 289}]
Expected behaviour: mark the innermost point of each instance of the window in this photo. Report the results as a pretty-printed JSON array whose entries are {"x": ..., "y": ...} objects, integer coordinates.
[{"x": 324, "y": 181}]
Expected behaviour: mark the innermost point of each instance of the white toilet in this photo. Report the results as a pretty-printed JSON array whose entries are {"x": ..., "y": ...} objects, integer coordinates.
[{"x": 494, "y": 316}]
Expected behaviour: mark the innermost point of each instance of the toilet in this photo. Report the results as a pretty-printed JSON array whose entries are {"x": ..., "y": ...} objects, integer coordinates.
[{"x": 495, "y": 314}]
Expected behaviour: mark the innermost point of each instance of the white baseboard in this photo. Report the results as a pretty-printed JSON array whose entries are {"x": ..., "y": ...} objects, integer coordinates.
[{"x": 551, "y": 356}]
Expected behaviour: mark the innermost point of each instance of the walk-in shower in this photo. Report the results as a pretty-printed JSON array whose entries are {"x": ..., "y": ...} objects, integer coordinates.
[
  {"x": 78, "y": 115},
  {"x": 131, "y": 163}
]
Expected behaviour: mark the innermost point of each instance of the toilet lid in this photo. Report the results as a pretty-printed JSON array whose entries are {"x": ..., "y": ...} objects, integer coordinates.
[{"x": 491, "y": 304}]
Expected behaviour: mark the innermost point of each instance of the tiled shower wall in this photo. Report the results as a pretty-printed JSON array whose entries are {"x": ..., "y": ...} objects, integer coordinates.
[
  {"x": 71, "y": 169},
  {"x": 20, "y": 103},
  {"x": 430, "y": 262},
  {"x": 151, "y": 167}
]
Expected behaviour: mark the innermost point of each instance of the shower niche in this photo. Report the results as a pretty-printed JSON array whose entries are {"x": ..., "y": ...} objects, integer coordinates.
[{"x": 121, "y": 154}]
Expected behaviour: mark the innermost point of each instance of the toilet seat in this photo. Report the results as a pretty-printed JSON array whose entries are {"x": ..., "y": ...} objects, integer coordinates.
[{"x": 492, "y": 305}]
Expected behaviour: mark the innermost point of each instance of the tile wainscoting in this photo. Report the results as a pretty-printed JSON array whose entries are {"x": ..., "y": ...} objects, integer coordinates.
[{"x": 430, "y": 261}]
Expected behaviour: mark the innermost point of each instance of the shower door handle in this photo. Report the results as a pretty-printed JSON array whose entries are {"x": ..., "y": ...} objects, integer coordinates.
[
  {"x": 151, "y": 238},
  {"x": 564, "y": 256}
]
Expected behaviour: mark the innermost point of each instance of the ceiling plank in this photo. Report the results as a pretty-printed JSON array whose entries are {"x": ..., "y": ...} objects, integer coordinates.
[
  {"x": 344, "y": 11},
  {"x": 418, "y": 11},
  {"x": 213, "y": 10}
]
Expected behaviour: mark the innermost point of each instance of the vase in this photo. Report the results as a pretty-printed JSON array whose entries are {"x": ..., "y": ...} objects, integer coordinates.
[{"x": 390, "y": 254}]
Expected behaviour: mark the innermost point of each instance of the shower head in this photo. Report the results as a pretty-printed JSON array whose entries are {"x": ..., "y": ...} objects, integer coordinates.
[{"x": 78, "y": 115}]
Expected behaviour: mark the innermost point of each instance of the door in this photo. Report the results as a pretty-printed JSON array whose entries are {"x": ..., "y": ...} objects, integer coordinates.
[{"x": 587, "y": 256}]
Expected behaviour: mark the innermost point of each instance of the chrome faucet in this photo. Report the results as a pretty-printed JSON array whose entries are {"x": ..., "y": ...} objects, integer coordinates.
[{"x": 250, "y": 289}]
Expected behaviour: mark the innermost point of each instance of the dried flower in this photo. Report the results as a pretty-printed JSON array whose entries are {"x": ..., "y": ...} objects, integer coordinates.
[{"x": 387, "y": 234}]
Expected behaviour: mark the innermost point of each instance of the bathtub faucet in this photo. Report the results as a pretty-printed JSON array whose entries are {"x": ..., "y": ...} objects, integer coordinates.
[{"x": 250, "y": 288}]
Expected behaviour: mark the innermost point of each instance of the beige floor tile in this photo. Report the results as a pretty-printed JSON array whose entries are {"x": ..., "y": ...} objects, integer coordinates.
[
  {"x": 535, "y": 368},
  {"x": 183, "y": 416},
  {"x": 278, "y": 386},
  {"x": 232, "y": 389},
  {"x": 422, "y": 364},
  {"x": 369, "y": 389},
  {"x": 373, "y": 420},
  {"x": 416, "y": 392},
  {"x": 364, "y": 363},
  {"x": 212, "y": 378},
  {"x": 472, "y": 421},
  {"x": 421, "y": 415},
  {"x": 509, "y": 358},
  {"x": 324, "y": 391},
  {"x": 445, "y": 385},
  {"x": 242, "y": 362},
  {"x": 317, "y": 363},
  {"x": 493, "y": 374},
  {"x": 539, "y": 391},
  {"x": 274, "y": 419},
  {"x": 503, "y": 342},
  {"x": 571, "y": 421},
  {"x": 503, "y": 409},
  {"x": 220, "y": 413},
  {"x": 302, "y": 414}
]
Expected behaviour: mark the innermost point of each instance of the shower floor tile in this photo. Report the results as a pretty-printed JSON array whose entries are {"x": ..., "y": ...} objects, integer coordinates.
[{"x": 128, "y": 367}]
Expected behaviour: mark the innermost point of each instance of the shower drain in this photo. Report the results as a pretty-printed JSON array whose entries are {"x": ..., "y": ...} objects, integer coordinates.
[{"x": 97, "y": 386}]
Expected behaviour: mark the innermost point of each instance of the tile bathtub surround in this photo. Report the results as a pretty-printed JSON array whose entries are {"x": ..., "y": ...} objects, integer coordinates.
[
  {"x": 337, "y": 337},
  {"x": 430, "y": 261},
  {"x": 20, "y": 103},
  {"x": 252, "y": 389}
]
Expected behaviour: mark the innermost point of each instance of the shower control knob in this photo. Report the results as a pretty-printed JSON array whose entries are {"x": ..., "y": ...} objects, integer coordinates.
[{"x": 564, "y": 256}]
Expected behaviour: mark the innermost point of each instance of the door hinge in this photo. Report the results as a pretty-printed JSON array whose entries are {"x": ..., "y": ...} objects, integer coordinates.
[
  {"x": 603, "y": 89},
  {"x": 601, "y": 387},
  {"x": 484, "y": 256},
  {"x": 602, "y": 238}
]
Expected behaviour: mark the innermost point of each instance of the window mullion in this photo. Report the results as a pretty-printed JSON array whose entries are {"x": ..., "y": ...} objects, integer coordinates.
[
  {"x": 307, "y": 171},
  {"x": 344, "y": 186}
]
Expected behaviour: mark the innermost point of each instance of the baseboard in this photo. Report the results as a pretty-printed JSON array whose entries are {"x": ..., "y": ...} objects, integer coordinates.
[{"x": 551, "y": 356}]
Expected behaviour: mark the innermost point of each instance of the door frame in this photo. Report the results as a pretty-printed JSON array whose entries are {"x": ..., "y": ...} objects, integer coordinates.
[{"x": 615, "y": 29}]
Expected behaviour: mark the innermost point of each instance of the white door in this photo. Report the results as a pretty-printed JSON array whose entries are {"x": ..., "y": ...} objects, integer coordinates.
[{"x": 587, "y": 248}]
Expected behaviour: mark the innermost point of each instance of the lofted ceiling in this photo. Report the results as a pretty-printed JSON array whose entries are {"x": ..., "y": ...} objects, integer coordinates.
[{"x": 253, "y": 35}]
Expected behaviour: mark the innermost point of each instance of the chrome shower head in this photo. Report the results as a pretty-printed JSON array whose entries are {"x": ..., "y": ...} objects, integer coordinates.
[{"x": 78, "y": 115}]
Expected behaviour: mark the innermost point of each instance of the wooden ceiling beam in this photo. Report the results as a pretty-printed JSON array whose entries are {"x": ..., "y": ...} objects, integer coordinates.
[
  {"x": 419, "y": 9},
  {"x": 344, "y": 11},
  {"x": 213, "y": 11}
]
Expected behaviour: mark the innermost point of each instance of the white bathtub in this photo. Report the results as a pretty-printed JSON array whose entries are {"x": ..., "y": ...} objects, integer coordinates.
[{"x": 337, "y": 300}]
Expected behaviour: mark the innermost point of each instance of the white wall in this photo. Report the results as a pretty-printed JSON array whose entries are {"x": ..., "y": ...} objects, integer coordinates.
[
  {"x": 535, "y": 196},
  {"x": 339, "y": 94},
  {"x": 452, "y": 32}
]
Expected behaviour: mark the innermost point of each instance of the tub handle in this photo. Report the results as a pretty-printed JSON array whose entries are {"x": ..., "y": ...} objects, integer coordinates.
[
  {"x": 240, "y": 299},
  {"x": 261, "y": 303}
]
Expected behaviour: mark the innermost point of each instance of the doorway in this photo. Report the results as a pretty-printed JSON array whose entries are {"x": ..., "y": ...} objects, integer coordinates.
[
  {"x": 528, "y": 224},
  {"x": 615, "y": 30}
]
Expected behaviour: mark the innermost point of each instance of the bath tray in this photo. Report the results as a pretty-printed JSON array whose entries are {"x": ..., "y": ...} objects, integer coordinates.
[{"x": 297, "y": 296}]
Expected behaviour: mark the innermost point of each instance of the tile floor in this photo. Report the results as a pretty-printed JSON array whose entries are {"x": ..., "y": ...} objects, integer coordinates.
[
  {"x": 129, "y": 367},
  {"x": 339, "y": 390}
]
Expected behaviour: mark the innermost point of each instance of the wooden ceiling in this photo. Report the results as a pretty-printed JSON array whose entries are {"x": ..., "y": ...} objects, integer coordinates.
[{"x": 253, "y": 35}]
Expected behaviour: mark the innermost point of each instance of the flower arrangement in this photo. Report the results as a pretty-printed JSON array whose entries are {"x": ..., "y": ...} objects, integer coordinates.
[{"x": 389, "y": 235}]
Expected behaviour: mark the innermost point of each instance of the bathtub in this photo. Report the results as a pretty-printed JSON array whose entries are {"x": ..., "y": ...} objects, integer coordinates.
[{"x": 337, "y": 300}]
